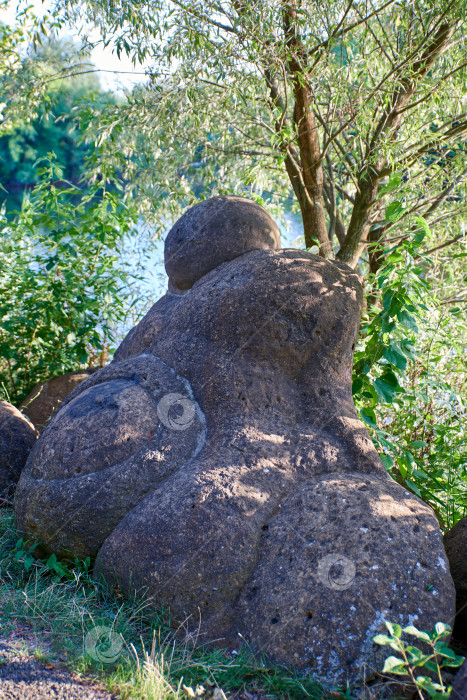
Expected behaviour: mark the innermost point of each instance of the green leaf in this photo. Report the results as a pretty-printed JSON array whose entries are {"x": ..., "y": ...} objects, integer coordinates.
[
  {"x": 387, "y": 299},
  {"x": 443, "y": 650},
  {"x": 413, "y": 487},
  {"x": 382, "y": 639},
  {"x": 393, "y": 628},
  {"x": 423, "y": 224},
  {"x": 407, "y": 320},
  {"x": 441, "y": 629},
  {"x": 408, "y": 349},
  {"x": 394, "y": 665},
  {"x": 393, "y": 184},
  {"x": 387, "y": 460},
  {"x": 395, "y": 356},
  {"x": 357, "y": 384},
  {"x": 386, "y": 386},
  {"x": 28, "y": 562},
  {"x": 51, "y": 561},
  {"x": 432, "y": 666},
  {"x": 456, "y": 661},
  {"x": 416, "y": 656},
  {"x": 395, "y": 257},
  {"x": 394, "y": 212},
  {"x": 368, "y": 416},
  {"x": 385, "y": 391},
  {"x": 427, "y": 684}
]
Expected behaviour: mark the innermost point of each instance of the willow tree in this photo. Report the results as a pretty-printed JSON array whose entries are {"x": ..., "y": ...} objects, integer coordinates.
[
  {"x": 337, "y": 104},
  {"x": 353, "y": 112}
]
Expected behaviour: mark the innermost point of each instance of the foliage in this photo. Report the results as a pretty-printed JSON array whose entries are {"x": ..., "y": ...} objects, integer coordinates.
[
  {"x": 21, "y": 88},
  {"x": 24, "y": 554},
  {"x": 227, "y": 109},
  {"x": 410, "y": 378},
  {"x": 63, "y": 287},
  {"x": 53, "y": 125},
  {"x": 331, "y": 105},
  {"x": 220, "y": 114},
  {"x": 439, "y": 656}
]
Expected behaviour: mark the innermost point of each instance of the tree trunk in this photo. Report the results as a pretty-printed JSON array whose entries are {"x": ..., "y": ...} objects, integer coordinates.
[
  {"x": 359, "y": 227},
  {"x": 311, "y": 199}
]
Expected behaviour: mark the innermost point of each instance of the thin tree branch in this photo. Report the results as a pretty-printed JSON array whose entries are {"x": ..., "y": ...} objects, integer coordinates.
[
  {"x": 354, "y": 25},
  {"x": 455, "y": 131},
  {"x": 204, "y": 17},
  {"x": 377, "y": 89},
  {"x": 451, "y": 241},
  {"x": 387, "y": 126}
]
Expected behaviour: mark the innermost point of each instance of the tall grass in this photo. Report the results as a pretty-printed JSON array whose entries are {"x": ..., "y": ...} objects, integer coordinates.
[{"x": 56, "y": 613}]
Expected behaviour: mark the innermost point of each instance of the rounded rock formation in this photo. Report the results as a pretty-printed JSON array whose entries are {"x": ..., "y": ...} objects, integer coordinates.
[
  {"x": 47, "y": 396},
  {"x": 455, "y": 542},
  {"x": 17, "y": 436},
  {"x": 102, "y": 453},
  {"x": 459, "y": 684},
  {"x": 216, "y": 231},
  {"x": 258, "y": 508}
]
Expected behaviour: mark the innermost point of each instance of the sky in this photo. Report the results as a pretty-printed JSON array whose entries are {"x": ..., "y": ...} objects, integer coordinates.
[{"x": 126, "y": 74}]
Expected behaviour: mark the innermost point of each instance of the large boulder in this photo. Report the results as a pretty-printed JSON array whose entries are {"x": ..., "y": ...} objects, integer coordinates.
[
  {"x": 47, "y": 396},
  {"x": 17, "y": 436},
  {"x": 455, "y": 542},
  {"x": 219, "y": 466}
]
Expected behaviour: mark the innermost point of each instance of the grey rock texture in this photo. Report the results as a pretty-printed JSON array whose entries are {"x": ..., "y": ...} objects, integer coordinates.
[
  {"x": 101, "y": 454},
  {"x": 459, "y": 684},
  {"x": 455, "y": 542},
  {"x": 264, "y": 513},
  {"x": 47, "y": 396},
  {"x": 17, "y": 436},
  {"x": 213, "y": 232},
  {"x": 142, "y": 335}
]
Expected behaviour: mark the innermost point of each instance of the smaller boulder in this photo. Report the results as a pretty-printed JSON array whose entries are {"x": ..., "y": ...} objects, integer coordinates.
[
  {"x": 47, "y": 396},
  {"x": 459, "y": 684},
  {"x": 17, "y": 436},
  {"x": 455, "y": 543},
  {"x": 214, "y": 232}
]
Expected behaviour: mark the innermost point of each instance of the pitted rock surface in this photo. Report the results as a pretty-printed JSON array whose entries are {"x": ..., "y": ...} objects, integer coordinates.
[
  {"x": 282, "y": 528},
  {"x": 102, "y": 453},
  {"x": 455, "y": 542},
  {"x": 213, "y": 232},
  {"x": 47, "y": 396},
  {"x": 459, "y": 684},
  {"x": 142, "y": 335},
  {"x": 17, "y": 436}
]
